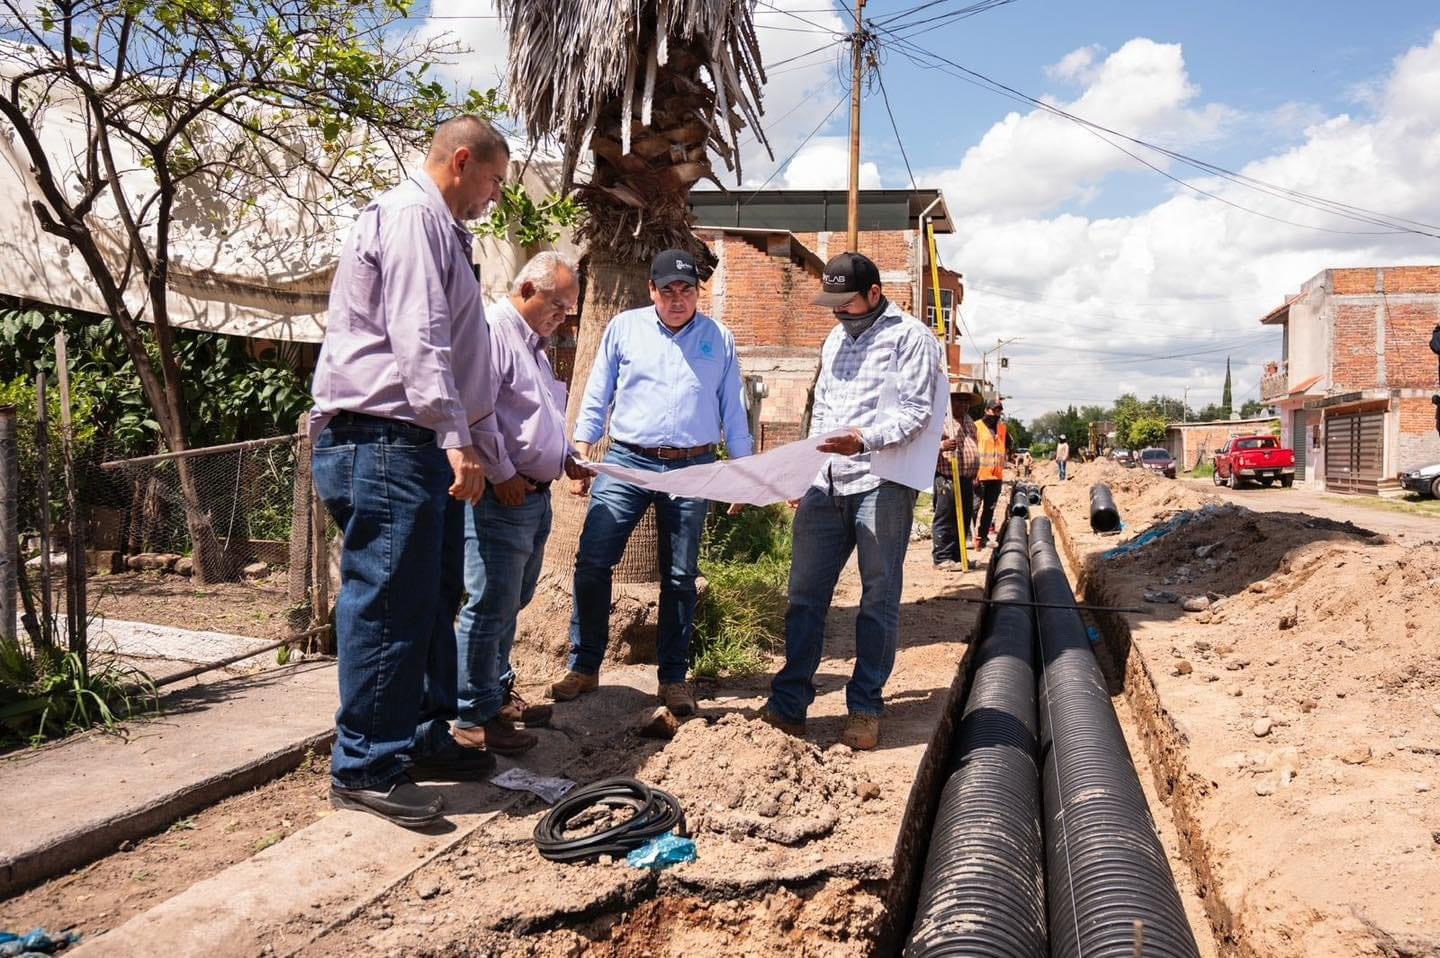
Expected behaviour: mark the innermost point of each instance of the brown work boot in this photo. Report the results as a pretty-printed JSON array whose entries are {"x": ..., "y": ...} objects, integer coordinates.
[
  {"x": 862, "y": 732},
  {"x": 574, "y": 685},
  {"x": 796, "y": 729},
  {"x": 517, "y": 710},
  {"x": 678, "y": 698},
  {"x": 496, "y": 735}
]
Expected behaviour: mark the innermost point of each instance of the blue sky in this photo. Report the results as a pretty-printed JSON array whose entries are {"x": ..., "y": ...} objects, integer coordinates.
[{"x": 1116, "y": 278}]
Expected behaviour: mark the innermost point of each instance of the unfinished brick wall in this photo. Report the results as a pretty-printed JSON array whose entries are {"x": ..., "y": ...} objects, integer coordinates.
[
  {"x": 1354, "y": 363},
  {"x": 1389, "y": 279},
  {"x": 1409, "y": 363},
  {"x": 1419, "y": 443},
  {"x": 763, "y": 299}
]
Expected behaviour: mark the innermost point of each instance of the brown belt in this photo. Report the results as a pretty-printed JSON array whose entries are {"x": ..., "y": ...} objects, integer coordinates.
[{"x": 668, "y": 452}]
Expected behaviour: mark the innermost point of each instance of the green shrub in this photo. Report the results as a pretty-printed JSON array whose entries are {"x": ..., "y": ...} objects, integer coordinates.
[
  {"x": 740, "y": 621},
  {"x": 47, "y": 692}
]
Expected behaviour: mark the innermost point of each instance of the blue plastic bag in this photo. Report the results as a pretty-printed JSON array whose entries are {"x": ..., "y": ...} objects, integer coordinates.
[{"x": 662, "y": 852}]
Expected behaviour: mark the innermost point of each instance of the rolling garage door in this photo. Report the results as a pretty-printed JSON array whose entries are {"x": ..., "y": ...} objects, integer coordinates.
[{"x": 1354, "y": 452}]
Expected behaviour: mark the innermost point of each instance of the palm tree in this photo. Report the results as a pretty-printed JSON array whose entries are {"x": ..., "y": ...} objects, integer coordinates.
[{"x": 644, "y": 90}]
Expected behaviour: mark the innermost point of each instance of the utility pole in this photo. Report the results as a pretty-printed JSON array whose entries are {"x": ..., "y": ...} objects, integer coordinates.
[{"x": 857, "y": 47}]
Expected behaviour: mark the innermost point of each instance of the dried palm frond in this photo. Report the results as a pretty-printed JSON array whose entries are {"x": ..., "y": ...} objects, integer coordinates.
[{"x": 624, "y": 78}]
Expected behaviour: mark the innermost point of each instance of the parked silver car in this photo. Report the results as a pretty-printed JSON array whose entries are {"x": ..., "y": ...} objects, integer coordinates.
[{"x": 1425, "y": 480}]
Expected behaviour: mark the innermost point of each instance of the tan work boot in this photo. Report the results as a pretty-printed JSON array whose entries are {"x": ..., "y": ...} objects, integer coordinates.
[
  {"x": 862, "y": 732},
  {"x": 496, "y": 735},
  {"x": 678, "y": 699},
  {"x": 796, "y": 729},
  {"x": 517, "y": 710},
  {"x": 574, "y": 685}
]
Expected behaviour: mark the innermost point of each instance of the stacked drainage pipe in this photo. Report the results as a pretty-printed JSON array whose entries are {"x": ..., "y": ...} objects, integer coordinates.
[
  {"x": 1104, "y": 516},
  {"x": 1106, "y": 868},
  {"x": 983, "y": 889},
  {"x": 1020, "y": 502}
]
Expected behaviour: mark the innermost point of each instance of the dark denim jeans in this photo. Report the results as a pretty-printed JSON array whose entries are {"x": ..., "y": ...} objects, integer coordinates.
[
  {"x": 944, "y": 534},
  {"x": 827, "y": 529},
  {"x": 504, "y": 550},
  {"x": 385, "y": 484},
  {"x": 1060, "y": 465},
  {"x": 989, "y": 495},
  {"x": 615, "y": 509}
]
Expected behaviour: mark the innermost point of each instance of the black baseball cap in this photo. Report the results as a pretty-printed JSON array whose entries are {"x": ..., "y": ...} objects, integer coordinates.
[
  {"x": 674, "y": 266},
  {"x": 844, "y": 276}
]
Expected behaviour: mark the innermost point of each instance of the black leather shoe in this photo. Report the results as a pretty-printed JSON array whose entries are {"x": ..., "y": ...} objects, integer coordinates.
[
  {"x": 455, "y": 764},
  {"x": 402, "y": 802}
]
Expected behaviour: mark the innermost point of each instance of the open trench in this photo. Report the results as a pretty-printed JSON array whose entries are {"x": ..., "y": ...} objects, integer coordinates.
[{"x": 1155, "y": 750}]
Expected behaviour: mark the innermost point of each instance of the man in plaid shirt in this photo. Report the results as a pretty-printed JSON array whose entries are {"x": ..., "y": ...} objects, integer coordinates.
[
  {"x": 877, "y": 386},
  {"x": 960, "y": 445}
]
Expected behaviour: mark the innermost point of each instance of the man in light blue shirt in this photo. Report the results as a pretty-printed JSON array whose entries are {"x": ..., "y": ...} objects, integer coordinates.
[{"x": 668, "y": 379}]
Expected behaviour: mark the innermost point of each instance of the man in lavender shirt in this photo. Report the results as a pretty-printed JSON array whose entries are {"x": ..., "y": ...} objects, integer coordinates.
[
  {"x": 403, "y": 420},
  {"x": 505, "y": 532}
]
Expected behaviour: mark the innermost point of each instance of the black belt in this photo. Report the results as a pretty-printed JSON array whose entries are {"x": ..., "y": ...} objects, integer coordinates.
[
  {"x": 668, "y": 452},
  {"x": 347, "y": 418},
  {"x": 538, "y": 487}
]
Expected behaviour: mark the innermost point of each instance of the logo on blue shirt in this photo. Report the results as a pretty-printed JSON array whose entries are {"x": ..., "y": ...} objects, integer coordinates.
[{"x": 706, "y": 348}]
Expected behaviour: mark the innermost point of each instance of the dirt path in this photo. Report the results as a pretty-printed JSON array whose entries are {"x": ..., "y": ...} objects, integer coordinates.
[
  {"x": 1295, "y": 723},
  {"x": 1408, "y": 528}
]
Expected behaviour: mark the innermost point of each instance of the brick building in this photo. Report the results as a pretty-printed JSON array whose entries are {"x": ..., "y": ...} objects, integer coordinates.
[
  {"x": 1192, "y": 443},
  {"x": 771, "y": 247},
  {"x": 1354, "y": 383}
]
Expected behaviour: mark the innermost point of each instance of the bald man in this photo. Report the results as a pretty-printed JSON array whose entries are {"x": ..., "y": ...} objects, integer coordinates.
[{"x": 403, "y": 427}]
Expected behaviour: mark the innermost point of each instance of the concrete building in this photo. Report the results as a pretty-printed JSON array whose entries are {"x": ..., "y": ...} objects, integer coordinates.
[
  {"x": 771, "y": 247},
  {"x": 1354, "y": 382},
  {"x": 1192, "y": 443}
]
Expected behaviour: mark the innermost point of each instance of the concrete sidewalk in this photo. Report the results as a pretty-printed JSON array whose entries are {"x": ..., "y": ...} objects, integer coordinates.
[{"x": 71, "y": 802}]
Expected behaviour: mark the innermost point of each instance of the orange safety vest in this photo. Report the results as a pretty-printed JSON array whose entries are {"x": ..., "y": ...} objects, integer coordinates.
[{"x": 992, "y": 451}]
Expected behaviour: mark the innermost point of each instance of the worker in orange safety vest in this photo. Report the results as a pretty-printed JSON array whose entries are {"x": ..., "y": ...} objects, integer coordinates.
[{"x": 995, "y": 446}]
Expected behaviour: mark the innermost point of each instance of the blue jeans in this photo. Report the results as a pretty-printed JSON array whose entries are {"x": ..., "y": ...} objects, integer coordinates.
[
  {"x": 827, "y": 529},
  {"x": 385, "y": 484},
  {"x": 504, "y": 550},
  {"x": 615, "y": 509},
  {"x": 1061, "y": 464}
]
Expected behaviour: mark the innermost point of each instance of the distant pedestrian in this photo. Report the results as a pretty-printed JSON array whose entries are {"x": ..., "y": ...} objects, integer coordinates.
[
  {"x": 1062, "y": 457},
  {"x": 959, "y": 447},
  {"x": 877, "y": 382},
  {"x": 667, "y": 381},
  {"x": 402, "y": 428},
  {"x": 506, "y": 531},
  {"x": 996, "y": 444}
]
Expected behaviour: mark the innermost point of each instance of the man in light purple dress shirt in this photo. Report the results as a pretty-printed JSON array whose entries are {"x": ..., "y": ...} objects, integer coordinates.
[
  {"x": 403, "y": 424},
  {"x": 505, "y": 532}
]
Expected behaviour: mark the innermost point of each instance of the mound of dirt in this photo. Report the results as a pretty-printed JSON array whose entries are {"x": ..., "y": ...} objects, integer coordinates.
[
  {"x": 1140, "y": 493},
  {"x": 542, "y": 633},
  {"x": 750, "y": 782}
]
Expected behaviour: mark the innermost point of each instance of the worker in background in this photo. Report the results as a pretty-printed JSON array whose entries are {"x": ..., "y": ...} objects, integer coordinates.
[
  {"x": 506, "y": 531},
  {"x": 959, "y": 447},
  {"x": 878, "y": 370},
  {"x": 1062, "y": 457},
  {"x": 996, "y": 444},
  {"x": 667, "y": 381}
]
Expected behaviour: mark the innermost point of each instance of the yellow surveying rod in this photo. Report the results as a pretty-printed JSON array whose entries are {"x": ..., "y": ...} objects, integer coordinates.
[{"x": 954, "y": 460}]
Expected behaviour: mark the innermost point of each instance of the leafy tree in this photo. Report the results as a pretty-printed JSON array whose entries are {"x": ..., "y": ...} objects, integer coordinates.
[
  {"x": 1146, "y": 431},
  {"x": 1252, "y": 409},
  {"x": 208, "y": 105}
]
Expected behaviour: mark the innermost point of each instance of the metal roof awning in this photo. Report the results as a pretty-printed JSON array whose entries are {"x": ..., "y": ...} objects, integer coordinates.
[
  {"x": 818, "y": 211},
  {"x": 1356, "y": 398}
]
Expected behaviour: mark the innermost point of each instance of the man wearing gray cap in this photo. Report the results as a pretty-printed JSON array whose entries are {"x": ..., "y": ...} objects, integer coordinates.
[{"x": 667, "y": 378}]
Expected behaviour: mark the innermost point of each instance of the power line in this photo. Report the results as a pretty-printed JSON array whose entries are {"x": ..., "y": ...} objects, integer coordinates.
[
  {"x": 796, "y": 16},
  {"x": 808, "y": 137},
  {"x": 1319, "y": 204},
  {"x": 899, "y": 140}
]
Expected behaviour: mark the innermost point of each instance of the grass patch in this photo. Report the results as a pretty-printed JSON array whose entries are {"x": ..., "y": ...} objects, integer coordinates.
[
  {"x": 47, "y": 692},
  {"x": 1411, "y": 504},
  {"x": 1204, "y": 470},
  {"x": 740, "y": 621}
]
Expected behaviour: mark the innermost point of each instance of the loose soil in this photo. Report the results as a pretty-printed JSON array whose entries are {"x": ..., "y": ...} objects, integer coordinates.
[
  {"x": 1295, "y": 721},
  {"x": 255, "y": 608},
  {"x": 107, "y": 893}
]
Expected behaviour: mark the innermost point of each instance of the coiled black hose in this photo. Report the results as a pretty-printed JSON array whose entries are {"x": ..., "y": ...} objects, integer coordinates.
[
  {"x": 656, "y": 812},
  {"x": 1104, "y": 517},
  {"x": 1105, "y": 867},
  {"x": 983, "y": 892}
]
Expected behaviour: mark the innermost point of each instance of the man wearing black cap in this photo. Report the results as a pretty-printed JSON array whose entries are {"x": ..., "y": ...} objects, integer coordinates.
[
  {"x": 877, "y": 385},
  {"x": 668, "y": 380}
]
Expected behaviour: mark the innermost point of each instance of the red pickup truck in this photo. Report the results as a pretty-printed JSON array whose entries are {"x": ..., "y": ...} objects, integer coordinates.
[{"x": 1254, "y": 459}]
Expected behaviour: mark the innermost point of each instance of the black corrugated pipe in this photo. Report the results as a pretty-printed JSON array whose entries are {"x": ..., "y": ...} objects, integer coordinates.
[
  {"x": 1034, "y": 493},
  {"x": 1020, "y": 502},
  {"x": 983, "y": 890},
  {"x": 1105, "y": 865},
  {"x": 1104, "y": 517}
]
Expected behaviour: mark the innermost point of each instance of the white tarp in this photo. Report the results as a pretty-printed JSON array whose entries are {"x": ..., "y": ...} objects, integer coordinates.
[{"x": 265, "y": 275}]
